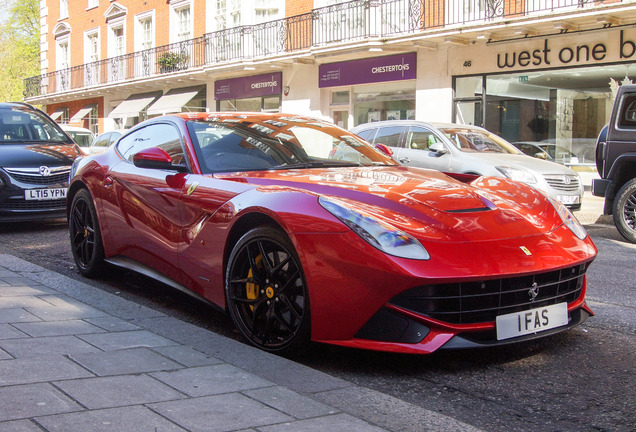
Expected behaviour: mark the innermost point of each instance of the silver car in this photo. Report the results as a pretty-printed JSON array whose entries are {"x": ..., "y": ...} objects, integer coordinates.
[{"x": 469, "y": 149}]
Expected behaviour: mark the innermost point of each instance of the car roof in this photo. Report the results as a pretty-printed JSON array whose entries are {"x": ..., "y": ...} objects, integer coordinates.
[{"x": 437, "y": 125}]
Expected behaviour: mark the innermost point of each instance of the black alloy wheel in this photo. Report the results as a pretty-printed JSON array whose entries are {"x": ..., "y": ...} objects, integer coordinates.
[
  {"x": 266, "y": 293},
  {"x": 625, "y": 210},
  {"x": 86, "y": 239}
]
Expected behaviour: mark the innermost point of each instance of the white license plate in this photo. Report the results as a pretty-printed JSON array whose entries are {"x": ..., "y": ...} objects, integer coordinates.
[
  {"x": 568, "y": 199},
  {"x": 45, "y": 194},
  {"x": 531, "y": 321}
]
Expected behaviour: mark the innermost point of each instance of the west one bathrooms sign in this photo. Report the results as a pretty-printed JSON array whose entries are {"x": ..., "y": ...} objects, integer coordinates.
[{"x": 568, "y": 55}]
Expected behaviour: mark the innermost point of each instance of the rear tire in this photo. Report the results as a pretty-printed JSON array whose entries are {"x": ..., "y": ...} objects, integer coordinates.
[
  {"x": 624, "y": 210},
  {"x": 86, "y": 237},
  {"x": 266, "y": 293}
]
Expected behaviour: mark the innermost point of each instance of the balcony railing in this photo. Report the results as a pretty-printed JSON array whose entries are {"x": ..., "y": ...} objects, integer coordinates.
[{"x": 339, "y": 23}]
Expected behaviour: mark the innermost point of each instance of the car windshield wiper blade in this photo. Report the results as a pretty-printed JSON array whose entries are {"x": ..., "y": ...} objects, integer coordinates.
[{"x": 318, "y": 164}]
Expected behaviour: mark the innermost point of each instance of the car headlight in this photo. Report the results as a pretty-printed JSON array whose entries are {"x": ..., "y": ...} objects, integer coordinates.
[
  {"x": 377, "y": 233},
  {"x": 568, "y": 218},
  {"x": 517, "y": 174}
]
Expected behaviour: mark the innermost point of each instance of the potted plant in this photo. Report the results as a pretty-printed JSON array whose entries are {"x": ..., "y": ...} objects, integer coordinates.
[{"x": 172, "y": 61}]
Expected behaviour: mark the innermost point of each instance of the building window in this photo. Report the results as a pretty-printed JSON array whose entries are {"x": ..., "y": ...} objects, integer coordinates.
[
  {"x": 184, "y": 23},
  {"x": 144, "y": 31},
  {"x": 62, "y": 56},
  {"x": 92, "y": 48},
  {"x": 118, "y": 41},
  {"x": 63, "y": 9},
  {"x": 93, "y": 120},
  {"x": 93, "y": 4}
]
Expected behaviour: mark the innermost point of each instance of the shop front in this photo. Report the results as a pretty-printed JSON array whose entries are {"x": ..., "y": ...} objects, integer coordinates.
[
  {"x": 370, "y": 89},
  {"x": 554, "y": 91},
  {"x": 258, "y": 93}
]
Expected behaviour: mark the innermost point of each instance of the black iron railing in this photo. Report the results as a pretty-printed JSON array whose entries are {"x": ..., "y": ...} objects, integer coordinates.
[{"x": 339, "y": 23}]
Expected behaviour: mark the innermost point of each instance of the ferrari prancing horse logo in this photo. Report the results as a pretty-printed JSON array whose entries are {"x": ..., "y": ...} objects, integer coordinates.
[
  {"x": 525, "y": 250},
  {"x": 192, "y": 188}
]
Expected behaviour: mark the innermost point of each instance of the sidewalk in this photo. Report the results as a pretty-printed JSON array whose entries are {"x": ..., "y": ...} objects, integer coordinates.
[{"x": 75, "y": 358}]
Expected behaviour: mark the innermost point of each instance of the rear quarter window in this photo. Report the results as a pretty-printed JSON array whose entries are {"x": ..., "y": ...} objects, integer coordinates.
[{"x": 627, "y": 117}]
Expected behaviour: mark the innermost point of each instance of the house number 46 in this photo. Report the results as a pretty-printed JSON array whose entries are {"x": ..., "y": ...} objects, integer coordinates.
[{"x": 468, "y": 63}]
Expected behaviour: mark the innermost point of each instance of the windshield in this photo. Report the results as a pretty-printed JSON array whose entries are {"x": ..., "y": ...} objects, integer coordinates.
[
  {"x": 476, "y": 140},
  {"x": 81, "y": 138},
  {"x": 283, "y": 143},
  {"x": 19, "y": 125}
]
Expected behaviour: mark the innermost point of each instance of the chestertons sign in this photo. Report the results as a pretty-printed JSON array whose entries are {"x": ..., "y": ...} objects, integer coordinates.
[{"x": 553, "y": 52}]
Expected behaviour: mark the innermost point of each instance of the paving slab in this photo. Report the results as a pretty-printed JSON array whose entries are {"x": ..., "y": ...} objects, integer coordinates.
[
  {"x": 10, "y": 332},
  {"x": 211, "y": 380},
  {"x": 58, "y": 328},
  {"x": 118, "y": 391},
  {"x": 32, "y": 400},
  {"x": 125, "y": 361},
  {"x": 16, "y": 315},
  {"x": 220, "y": 413},
  {"x": 128, "y": 339},
  {"x": 338, "y": 422},
  {"x": 135, "y": 418},
  {"x": 19, "y": 426},
  {"x": 27, "y": 371},
  {"x": 46, "y": 346},
  {"x": 290, "y": 402}
]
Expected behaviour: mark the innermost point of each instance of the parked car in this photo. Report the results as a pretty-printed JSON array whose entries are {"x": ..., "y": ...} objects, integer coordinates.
[
  {"x": 105, "y": 140},
  {"x": 35, "y": 161},
  {"x": 547, "y": 151},
  {"x": 83, "y": 137},
  {"x": 303, "y": 231},
  {"x": 616, "y": 163},
  {"x": 471, "y": 150}
]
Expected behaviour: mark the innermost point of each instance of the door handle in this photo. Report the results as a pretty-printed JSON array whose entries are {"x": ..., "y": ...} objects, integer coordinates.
[{"x": 404, "y": 160}]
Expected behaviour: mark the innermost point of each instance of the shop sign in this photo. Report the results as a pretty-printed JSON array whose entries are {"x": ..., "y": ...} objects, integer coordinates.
[
  {"x": 251, "y": 86},
  {"x": 369, "y": 70},
  {"x": 568, "y": 55}
]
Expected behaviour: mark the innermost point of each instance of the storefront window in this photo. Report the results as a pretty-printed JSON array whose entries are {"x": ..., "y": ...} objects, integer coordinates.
[
  {"x": 256, "y": 104},
  {"x": 565, "y": 108},
  {"x": 340, "y": 98},
  {"x": 384, "y": 102}
]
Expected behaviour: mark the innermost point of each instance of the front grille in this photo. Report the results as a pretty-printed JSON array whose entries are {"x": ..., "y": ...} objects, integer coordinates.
[
  {"x": 33, "y": 205},
  {"x": 565, "y": 183},
  {"x": 483, "y": 301},
  {"x": 33, "y": 176}
]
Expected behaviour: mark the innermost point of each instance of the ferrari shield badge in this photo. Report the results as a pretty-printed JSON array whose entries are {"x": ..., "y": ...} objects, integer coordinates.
[
  {"x": 523, "y": 248},
  {"x": 192, "y": 188}
]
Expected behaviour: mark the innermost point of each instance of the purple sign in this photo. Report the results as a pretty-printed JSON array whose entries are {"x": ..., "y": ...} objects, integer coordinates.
[
  {"x": 369, "y": 70},
  {"x": 252, "y": 86}
]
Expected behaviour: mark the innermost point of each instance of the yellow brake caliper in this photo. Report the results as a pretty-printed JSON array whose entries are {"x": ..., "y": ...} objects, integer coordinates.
[{"x": 251, "y": 289}]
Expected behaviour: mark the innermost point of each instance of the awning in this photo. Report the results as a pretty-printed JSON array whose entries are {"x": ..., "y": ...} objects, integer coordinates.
[
  {"x": 57, "y": 114},
  {"x": 173, "y": 101},
  {"x": 81, "y": 114},
  {"x": 132, "y": 106}
]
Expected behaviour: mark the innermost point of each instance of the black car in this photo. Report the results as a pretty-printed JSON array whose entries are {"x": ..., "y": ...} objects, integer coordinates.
[{"x": 35, "y": 161}]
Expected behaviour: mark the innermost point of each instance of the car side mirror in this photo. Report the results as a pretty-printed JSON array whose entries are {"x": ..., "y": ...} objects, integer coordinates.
[
  {"x": 156, "y": 158},
  {"x": 540, "y": 156},
  {"x": 384, "y": 149},
  {"x": 438, "y": 148}
]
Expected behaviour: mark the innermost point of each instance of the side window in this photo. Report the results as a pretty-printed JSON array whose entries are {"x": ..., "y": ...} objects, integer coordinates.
[
  {"x": 167, "y": 137},
  {"x": 365, "y": 134},
  {"x": 419, "y": 138},
  {"x": 102, "y": 141},
  {"x": 132, "y": 144},
  {"x": 156, "y": 135},
  {"x": 389, "y": 135},
  {"x": 628, "y": 117}
]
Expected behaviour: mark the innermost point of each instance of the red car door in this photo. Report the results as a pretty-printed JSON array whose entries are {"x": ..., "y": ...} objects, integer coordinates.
[{"x": 142, "y": 213}]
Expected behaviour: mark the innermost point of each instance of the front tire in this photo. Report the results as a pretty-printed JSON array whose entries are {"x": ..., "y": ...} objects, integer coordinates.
[
  {"x": 86, "y": 238},
  {"x": 624, "y": 210},
  {"x": 266, "y": 293}
]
